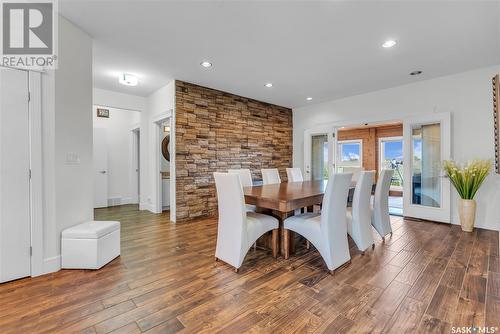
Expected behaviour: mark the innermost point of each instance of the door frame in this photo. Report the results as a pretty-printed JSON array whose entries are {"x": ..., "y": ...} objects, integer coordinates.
[
  {"x": 380, "y": 153},
  {"x": 157, "y": 120}
]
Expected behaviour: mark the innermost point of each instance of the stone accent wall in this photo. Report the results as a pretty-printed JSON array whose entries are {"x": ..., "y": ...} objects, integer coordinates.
[{"x": 216, "y": 131}]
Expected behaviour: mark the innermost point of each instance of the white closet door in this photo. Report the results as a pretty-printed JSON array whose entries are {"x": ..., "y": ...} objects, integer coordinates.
[
  {"x": 100, "y": 168},
  {"x": 15, "y": 238}
]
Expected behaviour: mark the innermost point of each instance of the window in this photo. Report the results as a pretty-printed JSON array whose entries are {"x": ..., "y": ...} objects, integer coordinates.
[
  {"x": 391, "y": 157},
  {"x": 350, "y": 153}
]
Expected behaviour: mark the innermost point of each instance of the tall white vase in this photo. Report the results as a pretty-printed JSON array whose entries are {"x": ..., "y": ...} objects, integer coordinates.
[{"x": 467, "y": 214}]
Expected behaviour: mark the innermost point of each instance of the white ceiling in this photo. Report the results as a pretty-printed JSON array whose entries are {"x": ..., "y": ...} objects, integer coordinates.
[{"x": 326, "y": 50}]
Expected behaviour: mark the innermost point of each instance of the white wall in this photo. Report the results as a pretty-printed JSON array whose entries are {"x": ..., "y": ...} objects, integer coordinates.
[
  {"x": 121, "y": 186},
  {"x": 468, "y": 96},
  {"x": 112, "y": 99},
  {"x": 66, "y": 128}
]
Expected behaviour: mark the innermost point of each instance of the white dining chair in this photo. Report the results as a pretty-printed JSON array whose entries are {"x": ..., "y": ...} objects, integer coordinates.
[
  {"x": 238, "y": 229},
  {"x": 380, "y": 212},
  {"x": 359, "y": 225},
  {"x": 294, "y": 175},
  {"x": 270, "y": 176},
  {"x": 245, "y": 176},
  {"x": 246, "y": 181},
  {"x": 356, "y": 172},
  {"x": 326, "y": 231}
]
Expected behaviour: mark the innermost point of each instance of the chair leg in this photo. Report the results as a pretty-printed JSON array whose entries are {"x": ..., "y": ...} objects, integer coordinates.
[
  {"x": 275, "y": 243},
  {"x": 286, "y": 243},
  {"x": 308, "y": 244}
]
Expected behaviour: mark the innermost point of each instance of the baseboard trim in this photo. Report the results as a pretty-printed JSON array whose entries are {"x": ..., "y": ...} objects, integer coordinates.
[{"x": 51, "y": 264}]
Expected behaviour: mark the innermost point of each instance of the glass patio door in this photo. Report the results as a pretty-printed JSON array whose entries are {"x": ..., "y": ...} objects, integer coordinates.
[{"x": 426, "y": 145}]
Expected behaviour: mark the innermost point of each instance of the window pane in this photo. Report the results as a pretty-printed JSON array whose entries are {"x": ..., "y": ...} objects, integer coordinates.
[
  {"x": 426, "y": 165},
  {"x": 319, "y": 159},
  {"x": 392, "y": 158},
  {"x": 349, "y": 154}
]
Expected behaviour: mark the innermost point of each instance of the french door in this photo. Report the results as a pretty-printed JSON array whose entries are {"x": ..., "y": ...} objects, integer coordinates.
[
  {"x": 319, "y": 144},
  {"x": 427, "y": 143}
]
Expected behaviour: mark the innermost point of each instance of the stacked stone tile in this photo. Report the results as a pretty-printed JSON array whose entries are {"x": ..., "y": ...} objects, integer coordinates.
[{"x": 216, "y": 131}]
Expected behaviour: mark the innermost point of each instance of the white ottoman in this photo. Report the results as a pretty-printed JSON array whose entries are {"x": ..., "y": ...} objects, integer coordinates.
[{"x": 90, "y": 245}]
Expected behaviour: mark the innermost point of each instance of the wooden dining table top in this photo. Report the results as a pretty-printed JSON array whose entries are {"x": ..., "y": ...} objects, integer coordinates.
[{"x": 286, "y": 196}]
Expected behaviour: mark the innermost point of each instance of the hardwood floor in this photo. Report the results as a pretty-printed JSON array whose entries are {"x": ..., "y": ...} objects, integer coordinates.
[{"x": 425, "y": 279}]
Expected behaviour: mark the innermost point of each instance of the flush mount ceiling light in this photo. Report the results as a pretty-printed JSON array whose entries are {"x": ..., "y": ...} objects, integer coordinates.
[
  {"x": 206, "y": 64},
  {"x": 309, "y": 98},
  {"x": 416, "y": 73},
  {"x": 389, "y": 43},
  {"x": 268, "y": 85},
  {"x": 128, "y": 79}
]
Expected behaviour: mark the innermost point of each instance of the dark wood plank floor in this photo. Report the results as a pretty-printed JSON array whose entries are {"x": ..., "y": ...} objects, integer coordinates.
[{"x": 426, "y": 278}]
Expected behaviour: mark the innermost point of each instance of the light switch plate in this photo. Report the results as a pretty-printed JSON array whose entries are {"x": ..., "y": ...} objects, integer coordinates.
[{"x": 72, "y": 158}]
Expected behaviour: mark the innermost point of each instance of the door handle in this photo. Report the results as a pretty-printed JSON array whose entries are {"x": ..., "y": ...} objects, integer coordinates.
[{"x": 103, "y": 172}]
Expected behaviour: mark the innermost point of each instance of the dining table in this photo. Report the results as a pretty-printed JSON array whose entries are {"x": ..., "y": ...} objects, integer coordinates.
[{"x": 282, "y": 199}]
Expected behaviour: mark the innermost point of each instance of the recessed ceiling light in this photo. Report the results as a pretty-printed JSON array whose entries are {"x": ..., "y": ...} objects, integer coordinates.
[
  {"x": 309, "y": 98},
  {"x": 128, "y": 79},
  {"x": 389, "y": 43},
  {"x": 206, "y": 64},
  {"x": 416, "y": 73},
  {"x": 268, "y": 85}
]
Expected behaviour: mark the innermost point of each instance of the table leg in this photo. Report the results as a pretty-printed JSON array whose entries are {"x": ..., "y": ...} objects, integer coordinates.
[
  {"x": 275, "y": 243},
  {"x": 286, "y": 239}
]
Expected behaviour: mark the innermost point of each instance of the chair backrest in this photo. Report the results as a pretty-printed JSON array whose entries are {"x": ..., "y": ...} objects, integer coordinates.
[
  {"x": 381, "y": 198},
  {"x": 356, "y": 172},
  {"x": 270, "y": 176},
  {"x": 361, "y": 199},
  {"x": 231, "y": 203},
  {"x": 245, "y": 176},
  {"x": 333, "y": 213},
  {"x": 294, "y": 175}
]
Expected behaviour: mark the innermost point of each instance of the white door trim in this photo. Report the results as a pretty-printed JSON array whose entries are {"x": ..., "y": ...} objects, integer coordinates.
[
  {"x": 156, "y": 122},
  {"x": 36, "y": 184}
]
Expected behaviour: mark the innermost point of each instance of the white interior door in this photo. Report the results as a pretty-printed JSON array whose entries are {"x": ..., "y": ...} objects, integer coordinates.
[
  {"x": 319, "y": 146},
  {"x": 427, "y": 142},
  {"x": 100, "y": 168},
  {"x": 15, "y": 237}
]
